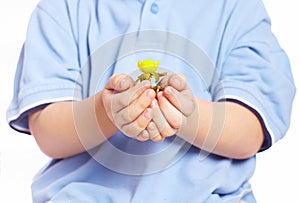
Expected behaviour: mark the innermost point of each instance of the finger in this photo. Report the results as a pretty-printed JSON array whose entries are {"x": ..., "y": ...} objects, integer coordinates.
[
  {"x": 164, "y": 82},
  {"x": 119, "y": 82},
  {"x": 143, "y": 136},
  {"x": 172, "y": 115},
  {"x": 164, "y": 128},
  {"x": 138, "y": 106},
  {"x": 182, "y": 101},
  {"x": 177, "y": 81},
  {"x": 158, "y": 138},
  {"x": 152, "y": 130},
  {"x": 154, "y": 133},
  {"x": 136, "y": 127},
  {"x": 123, "y": 99}
]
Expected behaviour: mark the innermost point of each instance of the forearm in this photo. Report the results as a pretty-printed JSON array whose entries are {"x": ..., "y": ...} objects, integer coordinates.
[
  {"x": 224, "y": 128},
  {"x": 67, "y": 128}
]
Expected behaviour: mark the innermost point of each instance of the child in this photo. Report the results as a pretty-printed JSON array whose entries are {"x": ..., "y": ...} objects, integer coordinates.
[{"x": 228, "y": 95}]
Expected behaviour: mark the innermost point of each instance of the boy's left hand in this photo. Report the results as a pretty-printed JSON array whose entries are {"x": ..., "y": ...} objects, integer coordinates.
[{"x": 171, "y": 108}]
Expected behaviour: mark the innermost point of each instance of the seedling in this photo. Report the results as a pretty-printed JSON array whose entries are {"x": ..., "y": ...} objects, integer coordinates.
[{"x": 148, "y": 69}]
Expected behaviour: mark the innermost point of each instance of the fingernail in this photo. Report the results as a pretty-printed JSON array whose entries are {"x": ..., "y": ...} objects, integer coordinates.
[
  {"x": 154, "y": 103},
  {"x": 123, "y": 83},
  {"x": 159, "y": 94},
  {"x": 168, "y": 90},
  {"x": 147, "y": 114},
  {"x": 176, "y": 82},
  {"x": 145, "y": 83},
  {"x": 150, "y": 93},
  {"x": 145, "y": 134}
]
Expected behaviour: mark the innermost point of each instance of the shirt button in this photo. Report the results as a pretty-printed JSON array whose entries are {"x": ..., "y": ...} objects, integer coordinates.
[{"x": 154, "y": 8}]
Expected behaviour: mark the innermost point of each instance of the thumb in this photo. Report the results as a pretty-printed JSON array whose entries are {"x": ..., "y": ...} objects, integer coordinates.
[
  {"x": 178, "y": 82},
  {"x": 119, "y": 82}
]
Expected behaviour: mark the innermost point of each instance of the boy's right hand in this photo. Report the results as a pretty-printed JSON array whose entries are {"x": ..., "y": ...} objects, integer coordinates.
[{"x": 127, "y": 105}]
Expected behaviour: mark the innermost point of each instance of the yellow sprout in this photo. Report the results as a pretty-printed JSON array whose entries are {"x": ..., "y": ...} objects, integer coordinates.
[{"x": 149, "y": 68}]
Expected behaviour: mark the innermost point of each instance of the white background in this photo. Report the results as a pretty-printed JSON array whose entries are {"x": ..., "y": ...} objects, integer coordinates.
[{"x": 277, "y": 175}]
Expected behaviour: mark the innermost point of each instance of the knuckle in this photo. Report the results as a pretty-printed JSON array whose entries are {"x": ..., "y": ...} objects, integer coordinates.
[
  {"x": 141, "y": 122},
  {"x": 129, "y": 131},
  {"x": 131, "y": 113},
  {"x": 121, "y": 118},
  {"x": 191, "y": 106},
  {"x": 139, "y": 104},
  {"x": 152, "y": 128},
  {"x": 121, "y": 102}
]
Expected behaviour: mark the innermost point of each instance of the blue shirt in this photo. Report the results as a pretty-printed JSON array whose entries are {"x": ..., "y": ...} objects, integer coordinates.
[{"x": 226, "y": 50}]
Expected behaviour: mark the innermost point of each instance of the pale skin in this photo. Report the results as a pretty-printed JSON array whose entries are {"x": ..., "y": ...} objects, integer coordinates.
[{"x": 64, "y": 129}]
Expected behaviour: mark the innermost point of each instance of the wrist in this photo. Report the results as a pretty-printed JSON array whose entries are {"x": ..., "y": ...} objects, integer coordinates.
[{"x": 103, "y": 115}]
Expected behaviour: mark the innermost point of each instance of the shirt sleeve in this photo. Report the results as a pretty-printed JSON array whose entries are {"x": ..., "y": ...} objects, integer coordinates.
[
  {"x": 255, "y": 71},
  {"x": 48, "y": 69}
]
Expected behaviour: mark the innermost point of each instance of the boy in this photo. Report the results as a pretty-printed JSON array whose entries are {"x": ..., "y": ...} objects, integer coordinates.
[{"x": 113, "y": 140}]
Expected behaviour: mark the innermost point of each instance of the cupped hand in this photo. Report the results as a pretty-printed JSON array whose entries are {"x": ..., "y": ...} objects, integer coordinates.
[
  {"x": 171, "y": 108},
  {"x": 127, "y": 105}
]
